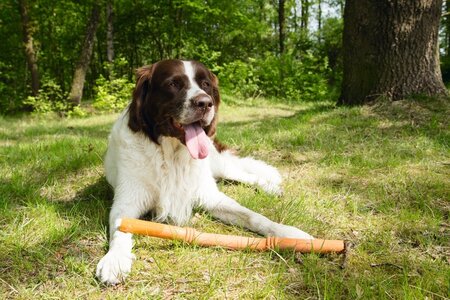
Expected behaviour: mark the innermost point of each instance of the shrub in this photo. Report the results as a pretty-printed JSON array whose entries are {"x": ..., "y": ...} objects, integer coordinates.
[
  {"x": 298, "y": 79},
  {"x": 241, "y": 78},
  {"x": 112, "y": 95},
  {"x": 51, "y": 98}
]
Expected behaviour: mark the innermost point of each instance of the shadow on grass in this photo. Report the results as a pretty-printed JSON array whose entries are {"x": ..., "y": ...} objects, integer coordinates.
[
  {"x": 299, "y": 115},
  {"x": 61, "y": 245},
  {"x": 42, "y": 236},
  {"x": 39, "y": 131},
  {"x": 393, "y": 159},
  {"x": 364, "y": 142}
]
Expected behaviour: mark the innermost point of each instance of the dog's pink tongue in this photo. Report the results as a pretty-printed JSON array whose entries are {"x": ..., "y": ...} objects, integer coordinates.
[{"x": 196, "y": 140}]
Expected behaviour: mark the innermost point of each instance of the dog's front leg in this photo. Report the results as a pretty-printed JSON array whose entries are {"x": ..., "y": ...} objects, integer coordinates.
[
  {"x": 228, "y": 210},
  {"x": 116, "y": 264}
]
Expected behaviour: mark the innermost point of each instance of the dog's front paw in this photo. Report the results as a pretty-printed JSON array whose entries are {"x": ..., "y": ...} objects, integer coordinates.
[
  {"x": 291, "y": 232},
  {"x": 114, "y": 267}
]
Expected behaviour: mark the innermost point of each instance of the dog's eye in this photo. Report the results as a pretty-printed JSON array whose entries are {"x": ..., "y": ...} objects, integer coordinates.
[
  {"x": 173, "y": 84},
  {"x": 205, "y": 84}
]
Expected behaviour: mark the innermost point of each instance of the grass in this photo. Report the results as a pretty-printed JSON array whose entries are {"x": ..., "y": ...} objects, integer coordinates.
[{"x": 376, "y": 176}]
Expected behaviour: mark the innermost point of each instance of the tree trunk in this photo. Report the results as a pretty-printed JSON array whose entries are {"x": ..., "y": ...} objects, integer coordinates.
[
  {"x": 109, "y": 32},
  {"x": 30, "y": 53},
  {"x": 79, "y": 76},
  {"x": 390, "y": 50},
  {"x": 109, "y": 39},
  {"x": 447, "y": 28},
  {"x": 319, "y": 18},
  {"x": 304, "y": 14},
  {"x": 281, "y": 22}
]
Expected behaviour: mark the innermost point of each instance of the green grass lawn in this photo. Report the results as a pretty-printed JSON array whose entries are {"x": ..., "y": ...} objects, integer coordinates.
[{"x": 376, "y": 176}]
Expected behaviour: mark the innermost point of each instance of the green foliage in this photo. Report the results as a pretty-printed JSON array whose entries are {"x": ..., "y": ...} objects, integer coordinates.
[
  {"x": 238, "y": 40},
  {"x": 77, "y": 112},
  {"x": 330, "y": 46},
  {"x": 112, "y": 95},
  {"x": 51, "y": 98},
  {"x": 13, "y": 72},
  {"x": 295, "y": 79},
  {"x": 445, "y": 68},
  {"x": 241, "y": 78},
  {"x": 8, "y": 91}
]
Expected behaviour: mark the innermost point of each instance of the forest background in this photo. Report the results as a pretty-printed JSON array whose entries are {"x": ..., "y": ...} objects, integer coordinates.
[
  {"x": 290, "y": 50},
  {"x": 57, "y": 55}
]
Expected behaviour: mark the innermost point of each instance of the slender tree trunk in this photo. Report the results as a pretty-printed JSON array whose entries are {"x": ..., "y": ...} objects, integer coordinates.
[
  {"x": 30, "y": 53},
  {"x": 109, "y": 32},
  {"x": 109, "y": 38},
  {"x": 295, "y": 21},
  {"x": 304, "y": 14},
  {"x": 319, "y": 18},
  {"x": 447, "y": 28},
  {"x": 390, "y": 50},
  {"x": 319, "y": 14},
  {"x": 79, "y": 76},
  {"x": 281, "y": 22}
]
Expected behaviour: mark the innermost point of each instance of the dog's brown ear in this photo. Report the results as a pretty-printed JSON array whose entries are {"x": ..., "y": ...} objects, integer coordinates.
[
  {"x": 143, "y": 83},
  {"x": 211, "y": 129},
  {"x": 215, "y": 85}
]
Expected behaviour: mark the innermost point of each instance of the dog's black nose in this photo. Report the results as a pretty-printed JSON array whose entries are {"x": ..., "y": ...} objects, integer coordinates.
[{"x": 203, "y": 102}]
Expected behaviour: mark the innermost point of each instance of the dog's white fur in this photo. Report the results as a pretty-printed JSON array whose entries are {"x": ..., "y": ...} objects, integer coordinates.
[{"x": 166, "y": 180}]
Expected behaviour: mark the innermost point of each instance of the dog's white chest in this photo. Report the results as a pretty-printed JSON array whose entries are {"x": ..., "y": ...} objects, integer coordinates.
[{"x": 179, "y": 180}]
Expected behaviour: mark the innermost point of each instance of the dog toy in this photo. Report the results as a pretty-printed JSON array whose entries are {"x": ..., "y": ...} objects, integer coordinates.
[{"x": 190, "y": 235}]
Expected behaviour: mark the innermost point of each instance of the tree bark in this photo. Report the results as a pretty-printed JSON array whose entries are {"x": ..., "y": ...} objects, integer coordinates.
[
  {"x": 109, "y": 32},
  {"x": 109, "y": 39},
  {"x": 30, "y": 53},
  {"x": 79, "y": 76},
  {"x": 447, "y": 27},
  {"x": 319, "y": 18},
  {"x": 281, "y": 22},
  {"x": 390, "y": 50},
  {"x": 304, "y": 14}
]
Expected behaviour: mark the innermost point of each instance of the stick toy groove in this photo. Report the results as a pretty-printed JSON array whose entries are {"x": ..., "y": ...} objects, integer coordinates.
[{"x": 190, "y": 235}]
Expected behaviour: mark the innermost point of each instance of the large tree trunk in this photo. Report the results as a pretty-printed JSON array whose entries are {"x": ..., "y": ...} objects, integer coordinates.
[
  {"x": 281, "y": 22},
  {"x": 76, "y": 91},
  {"x": 30, "y": 53},
  {"x": 390, "y": 50}
]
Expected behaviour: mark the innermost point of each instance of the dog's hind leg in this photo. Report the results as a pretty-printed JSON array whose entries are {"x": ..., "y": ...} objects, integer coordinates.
[{"x": 247, "y": 170}]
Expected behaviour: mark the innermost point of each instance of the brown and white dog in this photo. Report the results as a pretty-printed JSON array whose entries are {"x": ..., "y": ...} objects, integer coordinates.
[{"x": 161, "y": 158}]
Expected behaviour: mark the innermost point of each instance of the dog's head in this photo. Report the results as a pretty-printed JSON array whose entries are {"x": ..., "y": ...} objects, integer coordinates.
[{"x": 175, "y": 98}]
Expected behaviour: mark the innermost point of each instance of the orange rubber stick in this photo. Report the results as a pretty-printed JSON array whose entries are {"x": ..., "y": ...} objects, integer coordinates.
[{"x": 190, "y": 235}]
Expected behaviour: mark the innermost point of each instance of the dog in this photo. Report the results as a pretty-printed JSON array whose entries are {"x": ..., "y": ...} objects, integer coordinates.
[{"x": 162, "y": 158}]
